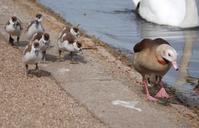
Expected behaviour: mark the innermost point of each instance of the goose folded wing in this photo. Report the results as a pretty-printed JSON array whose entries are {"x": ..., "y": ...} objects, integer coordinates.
[{"x": 148, "y": 43}]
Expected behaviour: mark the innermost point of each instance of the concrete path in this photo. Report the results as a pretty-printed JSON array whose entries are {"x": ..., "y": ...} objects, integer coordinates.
[{"x": 95, "y": 88}]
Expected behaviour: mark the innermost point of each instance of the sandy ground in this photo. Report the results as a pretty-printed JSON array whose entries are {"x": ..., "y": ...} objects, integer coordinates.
[
  {"x": 65, "y": 95},
  {"x": 36, "y": 101}
]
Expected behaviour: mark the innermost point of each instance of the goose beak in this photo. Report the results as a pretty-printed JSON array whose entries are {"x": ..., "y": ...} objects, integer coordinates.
[{"x": 175, "y": 65}]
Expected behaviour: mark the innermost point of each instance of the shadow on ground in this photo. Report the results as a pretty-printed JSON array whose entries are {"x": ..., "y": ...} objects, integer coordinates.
[
  {"x": 21, "y": 44},
  {"x": 79, "y": 58},
  {"x": 51, "y": 58},
  {"x": 38, "y": 73}
]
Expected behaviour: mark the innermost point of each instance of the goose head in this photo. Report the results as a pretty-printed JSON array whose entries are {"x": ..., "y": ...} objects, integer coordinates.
[
  {"x": 75, "y": 31},
  {"x": 168, "y": 54},
  {"x": 45, "y": 38},
  {"x": 77, "y": 45},
  {"x": 39, "y": 17},
  {"x": 35, "y": 47}
]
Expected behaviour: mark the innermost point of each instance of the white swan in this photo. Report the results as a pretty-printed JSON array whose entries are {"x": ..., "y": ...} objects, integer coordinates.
[{"x": 180, "y": 13}]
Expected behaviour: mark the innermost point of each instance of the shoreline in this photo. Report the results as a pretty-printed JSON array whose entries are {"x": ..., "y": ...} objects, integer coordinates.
[{"x": 114, "y": 51}]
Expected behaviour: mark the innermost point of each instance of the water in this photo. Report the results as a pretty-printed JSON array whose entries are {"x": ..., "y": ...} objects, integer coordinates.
[{"x": 113, "y": 22}]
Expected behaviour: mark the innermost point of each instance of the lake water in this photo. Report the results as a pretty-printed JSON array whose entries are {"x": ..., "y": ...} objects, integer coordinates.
[{"x": 113, "y": 22}]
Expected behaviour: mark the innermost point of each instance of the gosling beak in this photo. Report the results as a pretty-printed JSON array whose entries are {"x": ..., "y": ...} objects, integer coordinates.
[
  {"x": 81, "y": 51},
  {"x": 45, "y": 42},
  {"x": 39, "y": 19},
  {"x": 78, "y": 35},
  {"x": 15, "y": 24},
  {"x": 36, "y": 52},
  {"x": 175, "y": 65}
]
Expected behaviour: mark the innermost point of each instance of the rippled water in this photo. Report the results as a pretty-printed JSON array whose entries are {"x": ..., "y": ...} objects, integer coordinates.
[{"x": 113, "y": 22}]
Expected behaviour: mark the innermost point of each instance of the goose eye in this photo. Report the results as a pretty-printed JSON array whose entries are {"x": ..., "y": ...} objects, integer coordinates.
[{"x": 169, "y": 54}]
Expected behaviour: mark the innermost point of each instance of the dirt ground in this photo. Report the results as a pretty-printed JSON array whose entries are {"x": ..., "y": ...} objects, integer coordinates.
[{"x": 56, "y": 99}]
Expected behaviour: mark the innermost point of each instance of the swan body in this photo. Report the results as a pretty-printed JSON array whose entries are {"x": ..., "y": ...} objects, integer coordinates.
[{"x": 180, "y": 13}]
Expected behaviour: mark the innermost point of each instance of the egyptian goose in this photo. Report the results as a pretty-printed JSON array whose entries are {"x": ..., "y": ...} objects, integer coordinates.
[{"x": 154, "y": 57}]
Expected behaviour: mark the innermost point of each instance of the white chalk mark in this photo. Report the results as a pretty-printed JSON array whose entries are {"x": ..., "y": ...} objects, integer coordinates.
[
  {"x": 127, "y": 104},
  {"x": 63, "y": 70}
]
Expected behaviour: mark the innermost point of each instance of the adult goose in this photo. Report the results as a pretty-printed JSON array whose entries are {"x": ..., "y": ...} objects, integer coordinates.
[
  {"x": 154, "y": 57},
  {"x": 180, "y": 13}
]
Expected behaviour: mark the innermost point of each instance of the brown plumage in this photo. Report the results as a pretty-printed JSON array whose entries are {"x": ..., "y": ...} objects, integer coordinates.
[
  {"x": 153, "y": 57},
  {"x": 66, "y": 30},
  {"x": 69, "y": 37},
  {"x": 28, "y": 48},
  {"x": 39, "y": 35},
  {"x": 46, "y": 36},
  {"x": 38, "y": 15},
  {"x": 148, "y": 43},
  {"x": 146, "y": 57}
]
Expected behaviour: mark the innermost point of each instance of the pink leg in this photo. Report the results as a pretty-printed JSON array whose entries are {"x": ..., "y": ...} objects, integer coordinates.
[
  {"x": 157, "y": 80},
  {"x": 162, "y": 92},
  {"x": 149, "y": 97}
]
